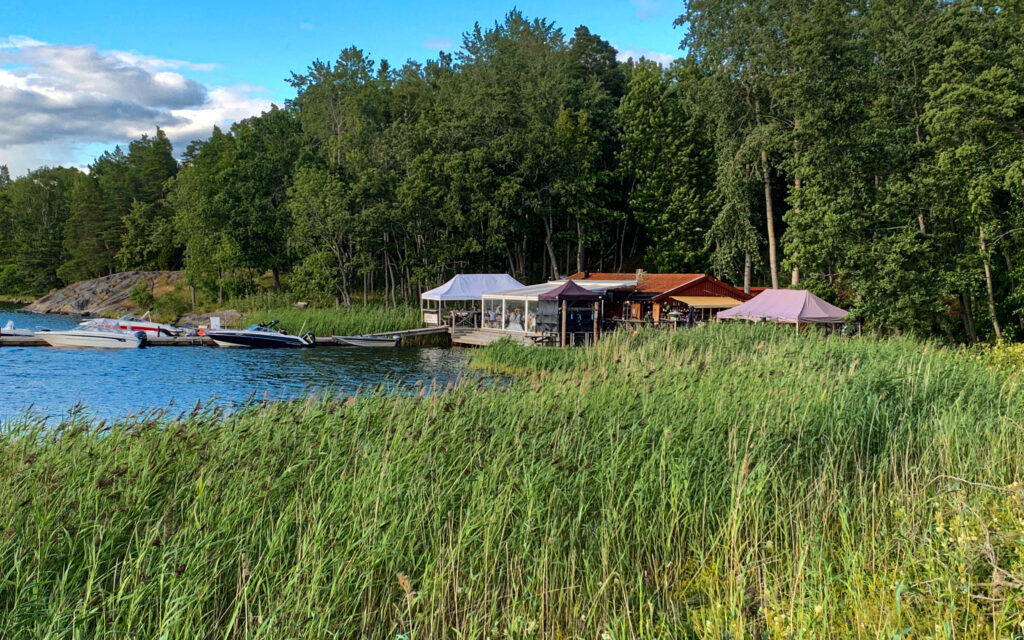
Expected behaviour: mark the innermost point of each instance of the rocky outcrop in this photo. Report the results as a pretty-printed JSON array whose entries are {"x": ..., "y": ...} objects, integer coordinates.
[{"x": 106, "y": 296}]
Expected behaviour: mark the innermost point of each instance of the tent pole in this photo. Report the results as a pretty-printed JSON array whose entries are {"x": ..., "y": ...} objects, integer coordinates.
[{"x": 562, "y": 341}]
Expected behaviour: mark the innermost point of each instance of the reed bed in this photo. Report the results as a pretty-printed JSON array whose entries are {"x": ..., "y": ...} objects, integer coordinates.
[
  {"x": 343, "y": 321},
  {"x": 728, "y": 482}
]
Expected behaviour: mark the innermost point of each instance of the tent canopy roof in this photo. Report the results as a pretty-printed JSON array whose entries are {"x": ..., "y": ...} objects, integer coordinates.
[
  {"x": 570, "y": 292},
  {"x": 533, "y": 291},
  {"x": 786, "y": 305},
  {"x": 470, "y": 286}
]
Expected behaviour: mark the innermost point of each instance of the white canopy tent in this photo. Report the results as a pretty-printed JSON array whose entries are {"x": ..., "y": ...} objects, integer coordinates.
[{"x": 463, "y": 287}]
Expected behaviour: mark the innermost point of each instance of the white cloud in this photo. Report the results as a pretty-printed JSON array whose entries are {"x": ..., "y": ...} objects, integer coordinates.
[
  {"x": 58, "y": 101},
  {"x": 664, "y": 59},
  {"x": 17, "y": 42},
  {"x": 149, "y": 63},
  {"x": 225, "y": 105},
  {"x": 437, "y": 43}
]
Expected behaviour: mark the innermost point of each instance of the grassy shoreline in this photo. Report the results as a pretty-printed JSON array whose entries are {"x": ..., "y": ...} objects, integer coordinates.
[
  {"x": 728, "y": 482},
  {"x": 346, "y": 321}
]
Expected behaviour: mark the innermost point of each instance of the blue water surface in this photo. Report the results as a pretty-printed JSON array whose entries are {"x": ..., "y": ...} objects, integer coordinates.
[{"x": 110, "y": 384}]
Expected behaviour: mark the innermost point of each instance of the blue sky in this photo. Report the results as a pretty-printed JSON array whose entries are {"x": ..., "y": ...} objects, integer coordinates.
[{"x": 77, "y": 78}]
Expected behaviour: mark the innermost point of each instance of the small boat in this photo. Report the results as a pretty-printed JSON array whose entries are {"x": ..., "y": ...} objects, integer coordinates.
[
  {"x": 95, "y": 334},
  {"x": 9, "y": 330},
  {"x": 259, "y": 336},
  {"x": 370, "y": 340},
  {"x": 144, "y": 323}
]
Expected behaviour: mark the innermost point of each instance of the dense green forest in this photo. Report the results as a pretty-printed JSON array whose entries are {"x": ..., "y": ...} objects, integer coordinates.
[{"x": 872, "y": 152}]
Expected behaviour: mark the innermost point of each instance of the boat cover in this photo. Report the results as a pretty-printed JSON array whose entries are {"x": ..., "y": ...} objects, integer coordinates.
[
  {"x": 470, "y": 286},
  {"x": 570, "y": 292},
  {"x": 786, "y": 305}
]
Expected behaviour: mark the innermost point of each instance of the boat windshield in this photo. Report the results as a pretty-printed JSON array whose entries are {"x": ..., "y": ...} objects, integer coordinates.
[
  {"x": 260, "y": 327},
  {"x": 100, "y": 323}
]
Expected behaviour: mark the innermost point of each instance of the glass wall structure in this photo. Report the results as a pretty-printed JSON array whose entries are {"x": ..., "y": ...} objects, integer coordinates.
[{"x": 520, "y": 310}]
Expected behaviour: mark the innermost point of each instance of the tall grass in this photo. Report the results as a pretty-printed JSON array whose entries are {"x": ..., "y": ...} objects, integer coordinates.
[
  {"x": 729, "y": 482},
  {"x": 343, "y": 321}
]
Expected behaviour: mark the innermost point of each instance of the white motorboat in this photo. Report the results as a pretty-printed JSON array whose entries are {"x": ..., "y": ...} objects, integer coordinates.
[
  {"x": 9, "y": 330},
  {"x": 95, "y": 334},
  {"x": 144, "y": 323},
  {"x": 259, "y": 336}
]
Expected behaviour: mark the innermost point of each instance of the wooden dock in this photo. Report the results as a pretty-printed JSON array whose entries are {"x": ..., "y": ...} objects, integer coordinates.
[
  {"x": 481, "y": 337},
  {"x": 203, "y": 341},
  {"x": 21, "y": 341}
]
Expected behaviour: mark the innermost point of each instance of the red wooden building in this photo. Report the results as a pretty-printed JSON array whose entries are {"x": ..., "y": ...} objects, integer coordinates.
[{"x": 666, "y": 297}]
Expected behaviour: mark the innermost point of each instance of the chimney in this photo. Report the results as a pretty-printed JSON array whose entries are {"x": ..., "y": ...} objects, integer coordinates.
[{"x": 640, "y": 273}]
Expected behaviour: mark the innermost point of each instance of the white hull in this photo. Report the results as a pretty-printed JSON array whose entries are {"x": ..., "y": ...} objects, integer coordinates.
[{"x": 91, "y": 339}]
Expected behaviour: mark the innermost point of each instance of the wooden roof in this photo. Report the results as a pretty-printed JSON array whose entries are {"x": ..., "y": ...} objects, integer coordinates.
[
  {"x": 661, "y": 282},
  {"x": 704, "y": 285}
]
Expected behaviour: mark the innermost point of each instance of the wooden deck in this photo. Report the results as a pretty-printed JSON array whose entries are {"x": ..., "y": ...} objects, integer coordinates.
[
  {"x": 21, "y": 341},
  {"x": 482, "y": 337}
]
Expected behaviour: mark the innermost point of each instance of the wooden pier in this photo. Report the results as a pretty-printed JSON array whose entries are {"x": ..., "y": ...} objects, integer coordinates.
[
  {"x": 203, "y": 341},
  {"x": 469, "y": 337}
]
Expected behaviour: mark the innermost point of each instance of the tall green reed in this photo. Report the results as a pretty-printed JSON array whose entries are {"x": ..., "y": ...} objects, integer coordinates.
[
  {"x": 341, "y": 321},
  {"x": 726, "y": 482}
]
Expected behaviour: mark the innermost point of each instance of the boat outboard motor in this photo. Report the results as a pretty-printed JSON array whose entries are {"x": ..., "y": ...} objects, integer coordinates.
[{"x": 141, "y": 335}]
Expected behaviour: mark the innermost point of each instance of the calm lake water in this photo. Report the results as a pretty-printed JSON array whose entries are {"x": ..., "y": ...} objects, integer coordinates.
[{"x": 115, "y": 383}]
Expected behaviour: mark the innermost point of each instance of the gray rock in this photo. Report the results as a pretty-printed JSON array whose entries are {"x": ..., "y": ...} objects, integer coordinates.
[{"x": 106, "y": 296}]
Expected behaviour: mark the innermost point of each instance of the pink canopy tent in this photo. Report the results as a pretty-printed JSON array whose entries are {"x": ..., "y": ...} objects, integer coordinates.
[{"x": 786, "y": 305}]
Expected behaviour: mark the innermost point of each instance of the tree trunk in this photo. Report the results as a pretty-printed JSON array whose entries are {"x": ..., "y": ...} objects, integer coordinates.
[
  {"x": 550, "y": 246},
  {"x": 748, "y": 265},
  {"x": 988, "y": 285},
  {"x": 968, "y": 317},
  {"x": 773, "y": 263},
  {"x": 621, "y": 247},
  {"x": 579, "y": 246},
  {"x": 798, "y": 183},
  {"x": 276, "y": 275}
]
